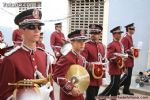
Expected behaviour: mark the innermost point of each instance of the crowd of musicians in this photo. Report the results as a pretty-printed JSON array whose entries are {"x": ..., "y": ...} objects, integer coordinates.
[{"x": 28, "y": 59}]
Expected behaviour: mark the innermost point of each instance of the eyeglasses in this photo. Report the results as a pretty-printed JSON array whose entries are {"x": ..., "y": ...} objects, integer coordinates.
[{"x": 33, "y": 27}]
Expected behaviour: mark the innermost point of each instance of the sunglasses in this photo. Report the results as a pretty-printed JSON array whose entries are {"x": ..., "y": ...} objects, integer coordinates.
[
  {"x": 59, "y": 26},
  {"x": 95, "y": 32},
  {"x": 117, "y": 32},
  {"x": 132, "y": 28},
  {"x": 33, "y": 27}
]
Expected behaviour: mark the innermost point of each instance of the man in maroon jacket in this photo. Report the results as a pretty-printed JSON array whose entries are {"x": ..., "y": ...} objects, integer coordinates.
[
  {"x": 1, "y": 36},
  {"x": 127, "y": 42},
  {"x": 25, "y": 61},
  {"x": 115, "y": 72},
  {"x": 40, "y": 43},
  {"x": 17, "y": 37},
  {"x": 57, "y": 40},
  {"x": 94, "y": 51},
  {"x": 68, "y": 91}
]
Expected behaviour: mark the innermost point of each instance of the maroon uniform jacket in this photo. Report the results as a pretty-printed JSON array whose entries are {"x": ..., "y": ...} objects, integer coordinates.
[
  {"x": 20, "y": 65},
  {"x": 62, "y": 67},
  {"x": 91, "y": 55},
  {"x": 41, "y": 45},
  {"x": 114, "y": 47},
  {"x": 1, "y": 35},
  {"x": 128, "y": 43},
  {"x": 57, "y": 41},
  {"x": 17, "y": 39}
]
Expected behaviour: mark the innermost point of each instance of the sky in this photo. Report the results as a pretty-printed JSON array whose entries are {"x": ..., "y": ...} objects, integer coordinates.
[{"x": 52, "y": 10}]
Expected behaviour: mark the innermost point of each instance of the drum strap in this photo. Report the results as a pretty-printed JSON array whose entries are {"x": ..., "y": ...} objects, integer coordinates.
[
  {"x": 84, "y": 61},
  {"x": 122, "y": 48},
  {"x": 99, "y": 54}
]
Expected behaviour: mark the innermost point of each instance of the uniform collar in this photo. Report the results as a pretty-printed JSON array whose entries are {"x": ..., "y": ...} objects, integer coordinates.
[
  {"x": 95, "y": 42},
  {"x": 75, "y": 53},
  {"x": 28, "y": 49},
  {"x": 57, "y": 32},
  {"x": 115, "y": 40},
  {"x": 129, "y": 34}
]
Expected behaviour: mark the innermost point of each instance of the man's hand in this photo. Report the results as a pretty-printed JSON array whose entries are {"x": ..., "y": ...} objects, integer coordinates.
[
  {"x": 125, "y": 70},
  {"x": 45, "y": 91},
  {"x": 75, "y": 92}
]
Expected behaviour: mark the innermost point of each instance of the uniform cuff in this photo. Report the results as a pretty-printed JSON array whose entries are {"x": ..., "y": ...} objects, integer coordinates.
[{"x": 68, "y": 87}]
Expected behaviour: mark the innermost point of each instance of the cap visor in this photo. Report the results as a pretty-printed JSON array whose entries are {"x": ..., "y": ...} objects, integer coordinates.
[
  {"x": 80, "y": 38},
  {"x": 32, "y": 22}
]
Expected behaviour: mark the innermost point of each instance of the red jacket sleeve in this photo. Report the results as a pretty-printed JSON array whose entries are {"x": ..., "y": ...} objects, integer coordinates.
[
  {"x": 61, "y": 69},
  {"x": 1, "y": 34},
  {"x": 110, "y": 52},
  {"x": 14, "y": 36},
  {"x": 125, "y": 43},
  {"x": 52, "y": 43},
  {"x": 52, "y": 39},
  {"x": 8, "y": 75}
]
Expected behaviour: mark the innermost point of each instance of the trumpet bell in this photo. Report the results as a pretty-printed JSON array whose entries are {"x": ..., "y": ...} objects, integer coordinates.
[
  {"x": 27, "y": 93},
  {"x": 79, "y": 76}
]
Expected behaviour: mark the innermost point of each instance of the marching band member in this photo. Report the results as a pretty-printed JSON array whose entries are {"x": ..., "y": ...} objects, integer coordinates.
[
  {"x": 94, "y": 51},
  {"x": 25, "y": 61},
  {"x": 1, "y": 36},
  {"x": 127, "y": 42},
  {"x": 57, "y": 40},
  {"x": 40, "y": 43},
  {"x": 115, "y": 72},
  {"x": 68, "y": 91},
  {"x": 2, "y": 43},
  {"x": 17, "y": 37}
]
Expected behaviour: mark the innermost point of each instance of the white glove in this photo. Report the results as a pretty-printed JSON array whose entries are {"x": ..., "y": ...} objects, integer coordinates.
[{"x": 45, "y": 91}]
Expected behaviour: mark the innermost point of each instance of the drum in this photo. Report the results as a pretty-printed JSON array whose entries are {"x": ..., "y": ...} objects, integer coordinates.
[
  {"x": 120, "y": 58},
  {"x": 120, "y": 62},
  {"x": 135, "y": 52},
  {"x": 98, "y": 70}
]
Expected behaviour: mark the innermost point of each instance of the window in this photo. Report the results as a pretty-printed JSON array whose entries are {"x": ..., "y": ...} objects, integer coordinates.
[
  {"x": 29, "y": 5},
  {"x": 85, "y": 12}
]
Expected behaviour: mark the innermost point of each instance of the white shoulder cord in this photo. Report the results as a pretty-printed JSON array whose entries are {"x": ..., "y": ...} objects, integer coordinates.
[{"x": 49, "y": 64}]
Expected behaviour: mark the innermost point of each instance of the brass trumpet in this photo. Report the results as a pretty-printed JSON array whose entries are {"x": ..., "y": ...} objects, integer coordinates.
[{"x": 28, "y": 85}]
